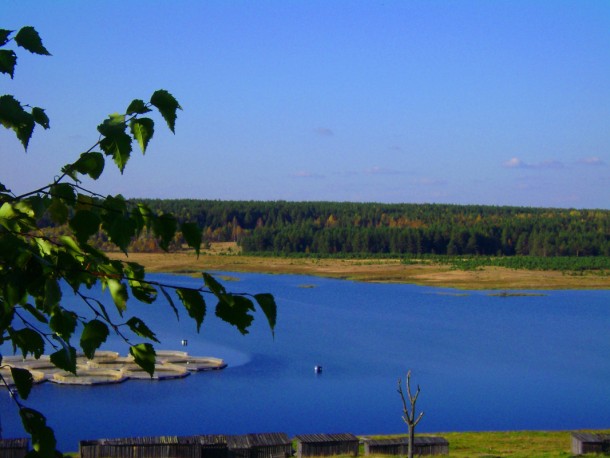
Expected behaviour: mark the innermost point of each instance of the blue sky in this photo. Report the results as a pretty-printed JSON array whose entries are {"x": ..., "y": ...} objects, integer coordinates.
[{"x": 499, "y": 102}]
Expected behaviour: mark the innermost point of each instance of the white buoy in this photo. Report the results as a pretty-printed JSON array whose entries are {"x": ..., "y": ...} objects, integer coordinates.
[
  {"x": 185, "y": 342},
  {"x": 317, "y": 369}
]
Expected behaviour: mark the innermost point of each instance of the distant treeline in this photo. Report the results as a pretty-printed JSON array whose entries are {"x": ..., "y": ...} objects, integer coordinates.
[{"x": 345, "y": 228}]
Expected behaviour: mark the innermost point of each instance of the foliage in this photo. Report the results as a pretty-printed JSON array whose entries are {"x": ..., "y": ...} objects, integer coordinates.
[
  {"x": 572, "y": 264},
  {"x": 352, "y": 229},
  {"x": 34, "y": 264}
]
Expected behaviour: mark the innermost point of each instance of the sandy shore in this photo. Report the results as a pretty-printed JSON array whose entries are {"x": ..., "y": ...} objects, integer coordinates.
[{"x": 372, "y": 270}]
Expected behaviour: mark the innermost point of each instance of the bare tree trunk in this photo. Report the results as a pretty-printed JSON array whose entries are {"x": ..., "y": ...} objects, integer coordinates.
[{"x": 409, "y": 411}]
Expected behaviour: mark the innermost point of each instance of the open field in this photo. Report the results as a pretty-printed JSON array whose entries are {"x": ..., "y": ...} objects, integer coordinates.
[{"x": 225, "y": 257}]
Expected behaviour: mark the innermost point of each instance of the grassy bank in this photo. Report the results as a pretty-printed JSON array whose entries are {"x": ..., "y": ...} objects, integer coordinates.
[
  {"x": 226, "y": 257},
  {"x": 515, "y": 444}
]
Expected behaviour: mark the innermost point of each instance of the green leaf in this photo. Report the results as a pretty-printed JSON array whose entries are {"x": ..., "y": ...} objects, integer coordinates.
[
  {"x": 116, "y": 142},
  {"x": 58, "y": 211},
  {"x": 40, "y": 117},
  {"x": 192, "y": 234},
  {"x": 93, "y": 336},
  {"x": 43, "y": 437},
  {"x": 144, "y": 356},
  {"x": 170, "y": 301},
  {"x": 36, "y": 313},
  {"x": 70, "y": 244},
  {"x": 28, "y": 341},
  {"x": 4, "y": 35},
  {"x": 193, "y": 303},
  {"x": 137, "y": 106},
  {"x": 23, "y": 381},
  {"x": 64, "y": 191},
  {"x": 142, "y": 130},
  {"x": 85, "y": 223},
  {"x": 85, "y": 202},
  {"x": 8, "y": 60},
  {"x": 118, "y": 291},
  {"x": 267, "y": 304},
  {"x": 28, "y": 38},
  {"x": 32, "y": 419},
  {"x": 167, "y": 106},
  {"x": 164, "y": 227},
  {"x": 52, "y": 293},
  {"x": 63, "y": 323},
  {"x": 143, "y": 292},
  {"x": 91, "y": 164},
  {"x": 65, "y": 358},
  {"x": 24, "y": 130},
  {"x": 134, "y": 271},
  {"x": 120, "y": 229},
  {"x": 235, "y": 311},
  {"x": 11, "y": 111},
  {"x": 139, "y": 327},
  {"x": 13, "y": 116},
  {"x": 214, "y": 285},
  {"x": 36, "y": 204},
  {"x": 144, "y": 214}
]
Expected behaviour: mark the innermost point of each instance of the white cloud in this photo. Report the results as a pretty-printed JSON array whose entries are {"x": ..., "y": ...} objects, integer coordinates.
[
  {"x": 306, "y": 174},
  {"x": 591, "y": 160},
  {"x": 376, "y": 170},
  {"x": 513, "y": 163},
  {"x": 517, "y": 163}
]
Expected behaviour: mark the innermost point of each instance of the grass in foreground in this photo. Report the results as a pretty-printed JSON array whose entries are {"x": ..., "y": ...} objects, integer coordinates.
[{"x": 516, "y": 444}]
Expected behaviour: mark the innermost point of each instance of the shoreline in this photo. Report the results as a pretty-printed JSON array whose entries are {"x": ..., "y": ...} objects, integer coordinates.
[{"x": 369, "y": 270}]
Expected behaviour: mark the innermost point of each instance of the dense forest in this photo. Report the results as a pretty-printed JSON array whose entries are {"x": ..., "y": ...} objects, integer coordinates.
[{"x": 346, "y": 228}]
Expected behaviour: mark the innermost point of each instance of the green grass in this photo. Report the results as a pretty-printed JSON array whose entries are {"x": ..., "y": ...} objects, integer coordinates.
[{"x": 516, "y": 444}]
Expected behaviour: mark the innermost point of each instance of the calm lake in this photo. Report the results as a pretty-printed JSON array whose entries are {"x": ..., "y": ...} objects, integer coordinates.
[{"x": 483, "y": 363}]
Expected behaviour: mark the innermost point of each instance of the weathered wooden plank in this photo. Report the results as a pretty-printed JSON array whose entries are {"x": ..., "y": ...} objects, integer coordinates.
[
  {"x": 583, "y": 443},
  {"x": 423, "y": 445},
  {"x": 14, "y": 448},
  {"x": 326, "y": 444}
]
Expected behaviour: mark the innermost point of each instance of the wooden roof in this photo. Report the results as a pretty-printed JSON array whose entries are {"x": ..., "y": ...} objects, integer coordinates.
[
  {"x": 321, "y": 438},
  {"x": 419, "y": 440},
  {"x": 591, "y": 438},
  {"x": 156, "y": 440},
  {"x": 260, "y": 440},
  {"x": 257, "y": 440},
  {"x": 431, "y": 440}
]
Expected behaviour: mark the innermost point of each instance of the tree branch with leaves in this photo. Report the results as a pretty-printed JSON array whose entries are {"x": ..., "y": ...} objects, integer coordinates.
[{"x": 34, "y": 314}]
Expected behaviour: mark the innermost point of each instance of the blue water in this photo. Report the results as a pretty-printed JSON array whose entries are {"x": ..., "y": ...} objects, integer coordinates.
[{"x": 483, "y": 363}]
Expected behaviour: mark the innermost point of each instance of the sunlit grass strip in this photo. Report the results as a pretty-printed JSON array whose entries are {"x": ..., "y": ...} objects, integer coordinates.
[
  {"x": 559, "y": 263},
  {"x": 515, "y": 444}
]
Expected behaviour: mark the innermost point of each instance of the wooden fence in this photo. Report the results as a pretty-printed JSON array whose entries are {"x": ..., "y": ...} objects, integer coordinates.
[
  {"x": 590, "y": 443},
  {"x": 155, "y": 447},
  {"x": 327, "y": 445},
  {"x": 264, "y": 445},
  {"x": 424, "y": 445},
  {"x": 14, "y": 448}
]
